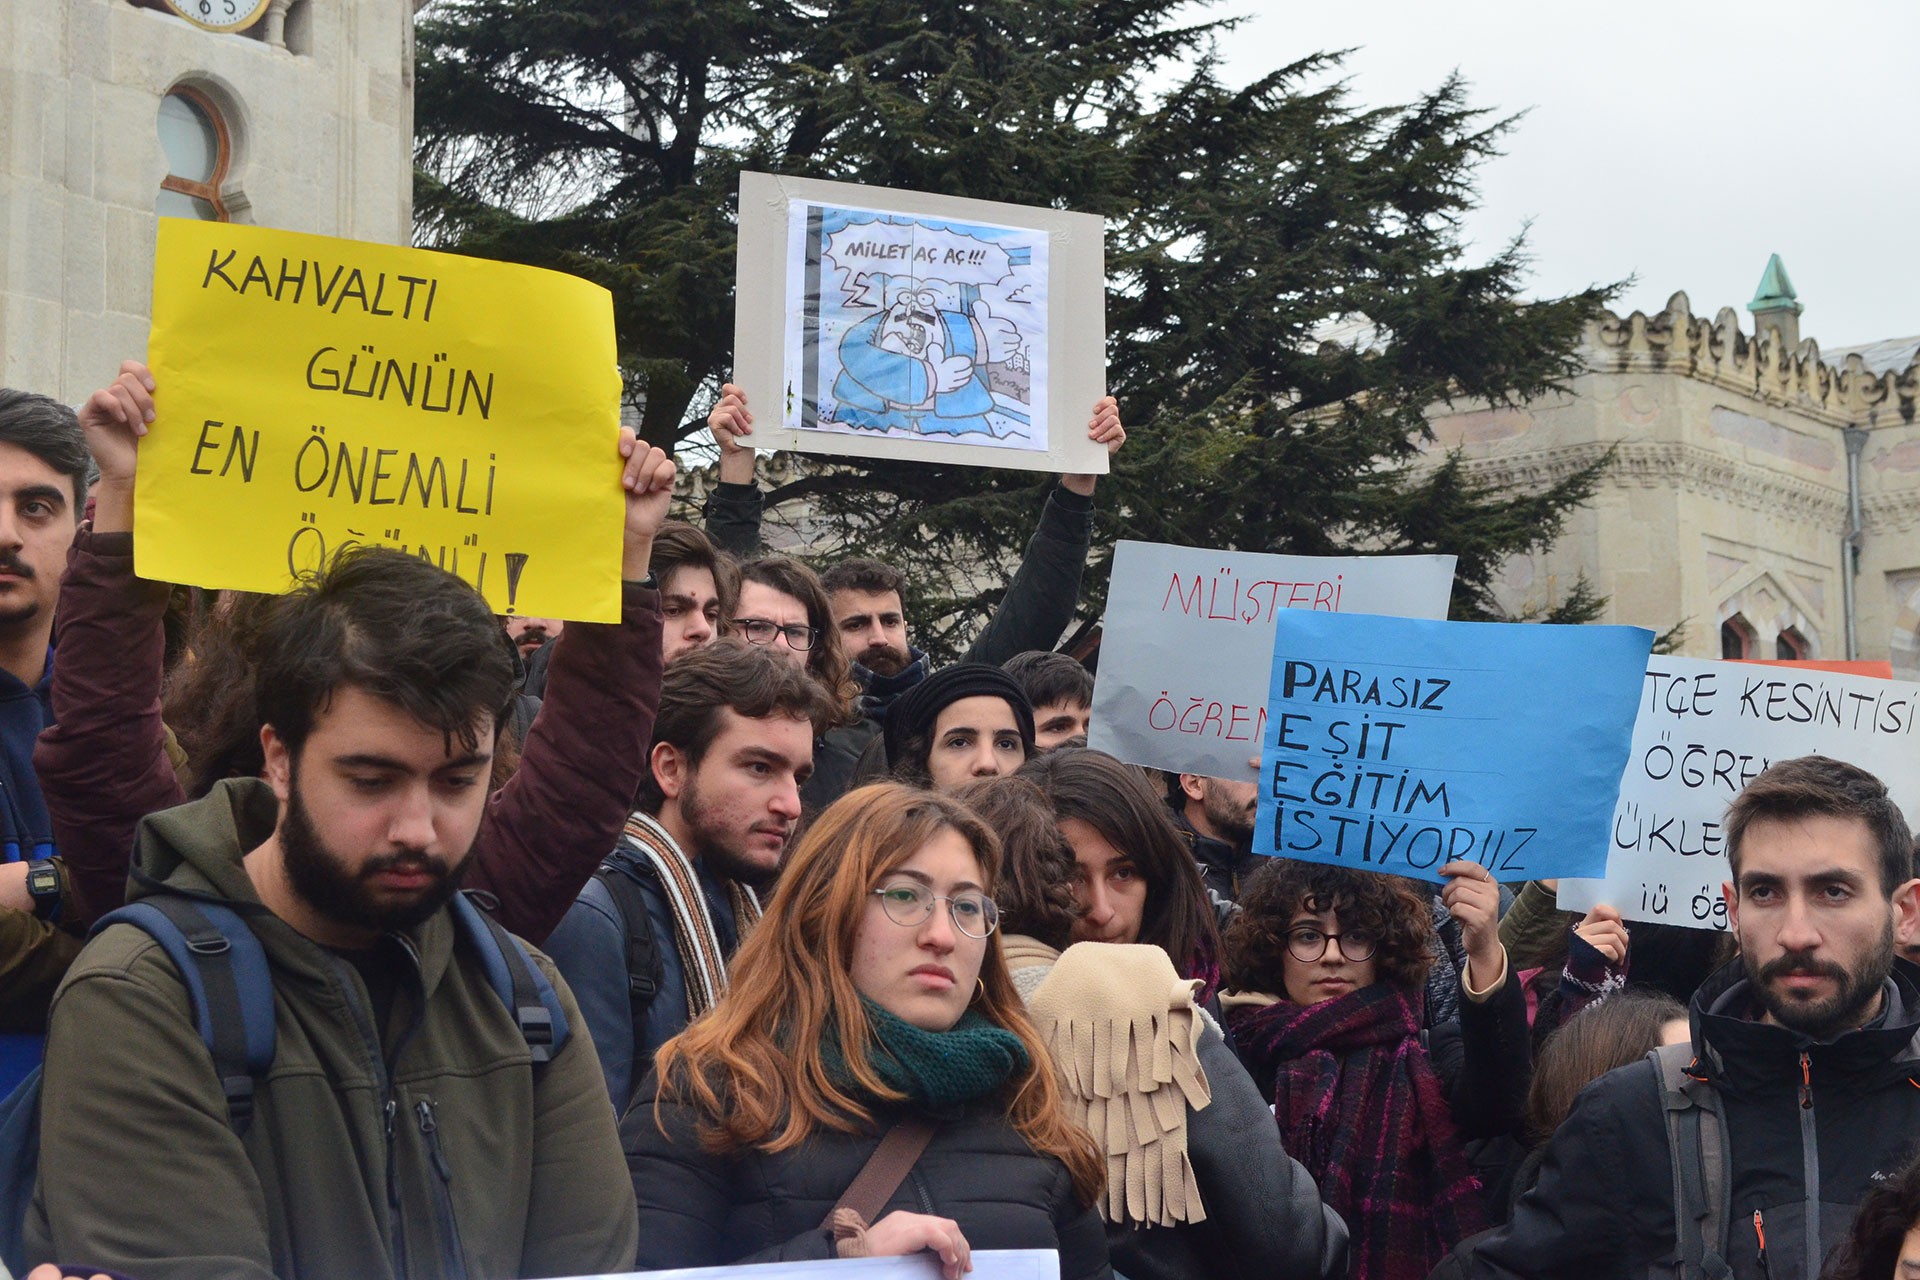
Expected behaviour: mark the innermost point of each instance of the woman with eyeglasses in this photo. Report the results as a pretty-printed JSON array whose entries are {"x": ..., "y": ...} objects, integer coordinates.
[
  {"x": 871, "y": 993},
  {"x": 781, "y": 606},
  {"x": 1325, "y": 970}
]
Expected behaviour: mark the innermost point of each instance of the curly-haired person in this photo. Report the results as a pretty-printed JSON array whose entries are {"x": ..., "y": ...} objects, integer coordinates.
[
  {"x": 1326, "y": 970},
  {"x": 1885, "y": 1241}
]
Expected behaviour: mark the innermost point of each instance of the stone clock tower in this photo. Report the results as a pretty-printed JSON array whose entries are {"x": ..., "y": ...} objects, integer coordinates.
[{"x": 285, "y": 113}]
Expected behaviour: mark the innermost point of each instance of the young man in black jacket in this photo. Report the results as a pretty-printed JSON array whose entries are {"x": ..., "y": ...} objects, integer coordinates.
[{"x": 1810, "y": 1040}]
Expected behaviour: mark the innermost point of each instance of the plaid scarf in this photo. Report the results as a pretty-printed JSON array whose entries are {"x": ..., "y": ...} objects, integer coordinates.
[{"x": 1360, "y": 1106}]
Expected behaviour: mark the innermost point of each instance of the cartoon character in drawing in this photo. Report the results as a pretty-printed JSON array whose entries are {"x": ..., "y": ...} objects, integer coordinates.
[{"x": 919, "y": 367}]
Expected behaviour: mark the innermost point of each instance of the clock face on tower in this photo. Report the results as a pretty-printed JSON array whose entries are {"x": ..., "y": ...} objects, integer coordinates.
[{"x": 220, "y": 15}]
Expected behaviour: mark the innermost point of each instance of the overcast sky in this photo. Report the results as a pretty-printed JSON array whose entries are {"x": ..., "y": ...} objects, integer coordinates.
[{"x": 1677, "y": 142}]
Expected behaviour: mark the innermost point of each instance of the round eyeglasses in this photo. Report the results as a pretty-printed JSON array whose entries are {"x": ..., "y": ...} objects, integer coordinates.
[
  {"x": 910, "y": 905},
  {"x": 763, "y": 630},
  {"x": 1308, "y": 945}
]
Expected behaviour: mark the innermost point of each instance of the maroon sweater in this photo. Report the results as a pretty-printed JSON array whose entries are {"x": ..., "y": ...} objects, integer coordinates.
[{"x": 102, "y": 765}]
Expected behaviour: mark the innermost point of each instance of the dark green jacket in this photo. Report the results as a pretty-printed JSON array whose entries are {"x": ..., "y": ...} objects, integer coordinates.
[{"x": 141, "y": 1172}]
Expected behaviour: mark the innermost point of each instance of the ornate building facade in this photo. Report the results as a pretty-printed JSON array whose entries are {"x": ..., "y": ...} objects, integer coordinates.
[
  {"x": 1761, "y": 492},
  {"x": 113, "y": 112}
]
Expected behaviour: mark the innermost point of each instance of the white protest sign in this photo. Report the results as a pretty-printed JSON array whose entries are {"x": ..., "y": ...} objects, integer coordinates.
[
  {"x": 988, "y": 1264},
  {"x": 1186, "y": 651},
  {"x": 1704, "y": 730}
]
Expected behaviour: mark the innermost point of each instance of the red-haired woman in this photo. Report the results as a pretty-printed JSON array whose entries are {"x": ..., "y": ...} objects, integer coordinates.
[
  {"x": 1326, "y": 969},
  {"x": 873, "y": 991}
]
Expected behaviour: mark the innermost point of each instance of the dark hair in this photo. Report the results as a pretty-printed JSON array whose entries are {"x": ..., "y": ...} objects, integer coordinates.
[
  {"x": 1818, "y": 786},
  {"x": 1392, "y": 909},
  {"x": 1871, "y": 1250},
  {"x": 1035, "y": 887},
  {"x": 727, "y": 675},
  {"x": 1050, "y": 677},
  {"x": 210, "y": 700},
  {"x": 680, "y": 545},
  {"x": 873, "y": 577},
  {"x": 914, "y": 716},
  {"x": 391, "y": 625},
  {"x": 1115, "y": 800},
  {"x": 1613, "y": 1032},
  {"x": 826, "y": 661},
  {"x": 50, "y": 431}
]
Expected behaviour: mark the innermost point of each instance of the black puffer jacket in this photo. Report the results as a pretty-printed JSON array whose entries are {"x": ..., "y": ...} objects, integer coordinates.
[
  {"x": 1811, "y": 1127},
  {"x": 1265, "y": 1219},
  {"x": 698, "y": 1209}
]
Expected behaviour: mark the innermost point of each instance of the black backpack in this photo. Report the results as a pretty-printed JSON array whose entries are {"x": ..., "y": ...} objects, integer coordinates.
[
  {"x": 230, "y": 993},
  {"x": 1697, "y": 1150},
  {"x": 622, "y": 873}
]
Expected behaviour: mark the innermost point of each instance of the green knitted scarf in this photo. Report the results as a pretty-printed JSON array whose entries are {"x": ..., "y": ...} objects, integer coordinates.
[{"x": 937, "y": 1069}]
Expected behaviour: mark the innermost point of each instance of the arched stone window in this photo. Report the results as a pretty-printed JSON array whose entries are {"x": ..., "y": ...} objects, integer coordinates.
[
  {"x": 1737, "y": 638},
  {"x": 1791, "y": 645},
  {"x": 199, "y": 149}
]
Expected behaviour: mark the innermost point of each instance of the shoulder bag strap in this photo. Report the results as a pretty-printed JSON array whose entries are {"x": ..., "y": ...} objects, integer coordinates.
[{"x": 884, "y": 1170}]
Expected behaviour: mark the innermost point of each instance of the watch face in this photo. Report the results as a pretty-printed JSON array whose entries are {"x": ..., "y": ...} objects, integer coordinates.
[
  {"x": 42, "y": 880},
  {"x": 220, "y": 15}
]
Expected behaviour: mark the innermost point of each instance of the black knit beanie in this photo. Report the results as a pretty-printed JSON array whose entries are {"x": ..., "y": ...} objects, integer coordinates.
[{"x": 913, "y": 713}]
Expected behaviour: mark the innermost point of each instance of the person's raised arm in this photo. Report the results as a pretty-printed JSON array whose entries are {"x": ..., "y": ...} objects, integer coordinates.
[
  {"x": 735, "y": 506},
  {"x": 562, "y": 811},
  {"x": 1045, "y": 591},
  {"x": 1104, "y": 428},
  {"x": 102, "y": 764},
  {"x": 1488, "y": 1091}
]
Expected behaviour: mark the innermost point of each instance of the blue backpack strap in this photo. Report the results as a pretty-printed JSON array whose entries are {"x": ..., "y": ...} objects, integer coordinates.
[
  {"x": 229, "y": 988},
  {"x": 19, "y": 1168},
  {"x": 519, "y": 983}
]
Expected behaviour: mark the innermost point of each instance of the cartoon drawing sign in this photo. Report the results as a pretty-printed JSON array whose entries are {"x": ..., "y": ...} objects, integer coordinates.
[
  {"x": 898, "y": 324},
  {"x": 915, "y": 326}
]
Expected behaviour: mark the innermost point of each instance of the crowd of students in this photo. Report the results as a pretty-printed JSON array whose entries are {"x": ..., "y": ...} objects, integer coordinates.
[{"x": 738, "y": 931}]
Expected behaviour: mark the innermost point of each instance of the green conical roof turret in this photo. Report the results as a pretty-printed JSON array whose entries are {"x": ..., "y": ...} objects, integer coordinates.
[{"x": 1776, "y": 290}]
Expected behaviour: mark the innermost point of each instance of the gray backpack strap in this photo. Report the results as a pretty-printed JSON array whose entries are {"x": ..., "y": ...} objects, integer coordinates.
[{"x": 1697, "y": 1151}]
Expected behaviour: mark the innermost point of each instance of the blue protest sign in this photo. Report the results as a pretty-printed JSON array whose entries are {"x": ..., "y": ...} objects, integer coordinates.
[{"x": 1400, "y": 745}]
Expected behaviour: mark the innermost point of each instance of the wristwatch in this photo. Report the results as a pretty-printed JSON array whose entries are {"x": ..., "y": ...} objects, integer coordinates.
[{"x": 43, "y": 886}]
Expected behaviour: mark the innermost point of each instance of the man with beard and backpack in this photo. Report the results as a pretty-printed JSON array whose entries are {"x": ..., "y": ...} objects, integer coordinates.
[
  {"x": 646, "y": 945},
  {"x": 421, "y": 1109},
  {"x": 1747, "y": 1151}
]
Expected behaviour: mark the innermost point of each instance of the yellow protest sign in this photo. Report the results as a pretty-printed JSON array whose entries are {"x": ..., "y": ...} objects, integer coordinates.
[{"x": 315, "y": 392}]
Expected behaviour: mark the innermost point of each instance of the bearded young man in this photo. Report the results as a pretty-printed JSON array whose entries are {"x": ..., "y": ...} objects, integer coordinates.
[
  {"x": 1216, "y": 817},
  {"x": 732, "y": 745},
  {"x": 1810, "y": 1040},
  {"x": 403, "y": 1128}
]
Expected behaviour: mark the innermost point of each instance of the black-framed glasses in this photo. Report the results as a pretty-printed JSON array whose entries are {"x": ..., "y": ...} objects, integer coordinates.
[
  {"x": 910, "y": 905},
  {"x": 1308, "y": 945},
  {"x": 763, "y": 630}
]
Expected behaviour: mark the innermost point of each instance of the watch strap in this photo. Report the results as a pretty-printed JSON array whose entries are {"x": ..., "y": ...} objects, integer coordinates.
[{"x": 46, "y": 886}]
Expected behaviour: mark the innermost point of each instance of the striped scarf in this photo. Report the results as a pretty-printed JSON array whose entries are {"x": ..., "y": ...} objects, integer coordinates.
[
  {"x": 1360, "y": 1106},
  {"x": 703, "y": 963}
]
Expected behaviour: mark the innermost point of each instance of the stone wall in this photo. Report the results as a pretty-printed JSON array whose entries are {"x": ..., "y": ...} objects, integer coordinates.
[
  {"x": 1727, "y": 494},
  {"x": 320, "y": 102}
]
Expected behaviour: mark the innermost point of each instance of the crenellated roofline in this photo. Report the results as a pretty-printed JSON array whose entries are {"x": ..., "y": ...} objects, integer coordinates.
[{"x": 1675, "y": 340}]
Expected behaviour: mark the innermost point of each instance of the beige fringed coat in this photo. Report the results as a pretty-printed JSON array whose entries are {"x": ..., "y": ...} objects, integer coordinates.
[{"x": 1197, "y": 1182}]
